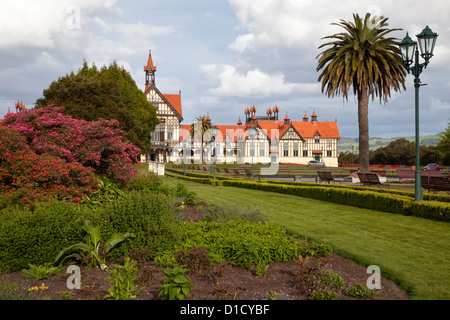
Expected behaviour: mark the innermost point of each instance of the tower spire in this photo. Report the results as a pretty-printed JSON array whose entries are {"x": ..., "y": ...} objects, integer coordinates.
[{"x": 150, "y": 70}]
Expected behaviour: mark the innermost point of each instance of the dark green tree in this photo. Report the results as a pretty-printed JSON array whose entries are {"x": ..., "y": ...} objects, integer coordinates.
[
  {"x": 444, "y": 147},
  {"x": 107, "y": 93},
  {"x": 400, "y": 151}
]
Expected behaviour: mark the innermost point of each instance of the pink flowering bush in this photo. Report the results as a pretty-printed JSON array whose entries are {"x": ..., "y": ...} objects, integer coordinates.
[
  {"x": 26, "y": 177},
  {"x": 94, "y": 144}
]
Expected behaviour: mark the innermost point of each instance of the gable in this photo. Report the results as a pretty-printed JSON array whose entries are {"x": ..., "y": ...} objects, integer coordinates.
[
  {"x": 291, "y": 134},
  {"x": 167, "y": 105}
]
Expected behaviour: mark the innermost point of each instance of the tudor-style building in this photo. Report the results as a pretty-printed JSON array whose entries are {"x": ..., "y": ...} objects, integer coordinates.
[
  {"x": 169, "y": 112},
  {"x": 283, "y": 141}
]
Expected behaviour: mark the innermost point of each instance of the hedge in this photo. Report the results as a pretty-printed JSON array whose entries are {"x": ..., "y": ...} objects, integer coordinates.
[
  {"x": 393, "y": 202},
  {"x": 374, "y": 200},
  {"x": 431, "y": 197},
  {"x": 201, "y": 175}
]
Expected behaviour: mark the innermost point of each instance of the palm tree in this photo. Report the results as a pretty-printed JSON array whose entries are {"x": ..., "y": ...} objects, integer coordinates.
[
  {"x": 205, "y": 126},
  {"x": 362, "y": 57}
]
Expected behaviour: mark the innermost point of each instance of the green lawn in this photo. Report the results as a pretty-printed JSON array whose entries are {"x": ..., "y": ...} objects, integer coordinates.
[{"x": 413, "y": 252}]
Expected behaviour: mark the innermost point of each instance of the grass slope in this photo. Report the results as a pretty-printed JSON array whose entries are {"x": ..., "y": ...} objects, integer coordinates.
[{"x": 411, "y": 251}]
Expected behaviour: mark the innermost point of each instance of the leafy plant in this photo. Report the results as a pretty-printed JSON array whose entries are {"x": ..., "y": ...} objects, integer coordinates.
[
  {"x": 14, "y": 291},
  {"x": 176, "y": 285},
  {"x": 245, "y": 255},
  {"x": 272, "y": 295},
  {"x": 38, "y": 272},
  {"x": 332, "y": 280},
  {"x": 196, "y": 259},
  {"x": 261, "y": 268},
  {"x": 92, "y": 245},
  {"x": 122, "y": 279},
  {"x": 106, "y": 193},
  {"x": 324, "y": 293},
  {"x": 360, "y": 291}
]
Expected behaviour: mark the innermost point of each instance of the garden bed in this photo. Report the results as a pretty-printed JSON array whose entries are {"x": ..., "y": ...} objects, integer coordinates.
[{"x": 225, "y": 281}]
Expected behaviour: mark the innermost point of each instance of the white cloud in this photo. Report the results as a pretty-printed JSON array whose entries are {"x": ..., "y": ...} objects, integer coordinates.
[
  {"x": 247, "y": 84},
  {"x": 253, "y": 83}
]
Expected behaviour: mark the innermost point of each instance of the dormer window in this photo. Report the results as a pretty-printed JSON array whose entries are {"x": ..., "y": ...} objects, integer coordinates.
[{"x": 317, "y": 138}]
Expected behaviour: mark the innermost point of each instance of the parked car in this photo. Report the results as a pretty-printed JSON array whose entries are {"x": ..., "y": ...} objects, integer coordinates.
[
  {"x": 432, "y": 167},
  {"x": 314, "y": 163}
]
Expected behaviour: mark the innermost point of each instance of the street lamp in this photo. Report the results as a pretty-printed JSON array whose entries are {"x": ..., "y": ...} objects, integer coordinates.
[
  {"x": 214, "y": 131},
  {"x": 410, "y": 50},
  {"x": 252, "y": 133}
]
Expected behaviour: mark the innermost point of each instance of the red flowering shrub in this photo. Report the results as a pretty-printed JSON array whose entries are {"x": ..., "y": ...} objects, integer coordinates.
[
  {"x": 26, "y": 176},
  {"x": 95, "y": 144}
]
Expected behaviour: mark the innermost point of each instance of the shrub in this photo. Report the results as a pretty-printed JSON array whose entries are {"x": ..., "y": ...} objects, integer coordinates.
[
  {"x": 26, "y": 177},
  {"x": 94, "y": 144},
  {"x": 147, "y": 216},
  {"x": 227, "y": 213},
  {"x": 195, "y": 259},
  {"x": 145, "y": 183},
  {"x": 361, "y": 291},
  {"x": 222, "y": 240},
  {"x": 36, "y": 237}
]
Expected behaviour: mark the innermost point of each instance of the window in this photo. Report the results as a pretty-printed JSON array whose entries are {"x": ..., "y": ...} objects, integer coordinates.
[
  {"x": 170, "y": 131},
  {"x": 305, "y": 153},
  {"x": 252, "y": 149},
  {"x": 158, "y": 134},
  {"x": 329, "y": 143},
  {"x": 329, "y": 153},
  {"x": 262, "y": 147},
  {"x": 295, "y": 149},
  {"x": 285, "y": 149},
  {"x": 317, "y": 139}
]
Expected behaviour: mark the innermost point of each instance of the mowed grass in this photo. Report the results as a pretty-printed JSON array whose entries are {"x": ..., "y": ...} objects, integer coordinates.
[{"x": 413, "y": 252}]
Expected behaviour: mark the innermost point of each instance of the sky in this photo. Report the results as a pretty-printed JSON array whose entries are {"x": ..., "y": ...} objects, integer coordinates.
[{"x": 224, "y": 56}]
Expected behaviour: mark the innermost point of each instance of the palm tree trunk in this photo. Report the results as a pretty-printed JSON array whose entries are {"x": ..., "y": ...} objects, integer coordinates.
[{"x": 363, "y": 121}]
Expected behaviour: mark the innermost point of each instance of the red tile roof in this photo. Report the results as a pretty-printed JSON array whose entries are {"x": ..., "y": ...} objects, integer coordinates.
[
  {"x": 305, "y": 129},
  {"x": 175, "y": 101}
]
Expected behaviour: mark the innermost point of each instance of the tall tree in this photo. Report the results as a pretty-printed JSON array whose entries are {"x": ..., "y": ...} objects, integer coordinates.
[
  {"x": 362, "y": 57},
  {"x": 107, "y": 93},
  {"x": 444, "y": 146},
  {"x": 204, "y": 125}
]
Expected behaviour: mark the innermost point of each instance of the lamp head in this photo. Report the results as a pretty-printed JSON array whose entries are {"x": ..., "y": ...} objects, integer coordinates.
[
  {"x": 407, "y": 49},
  {"x": 427, "y": 42}
]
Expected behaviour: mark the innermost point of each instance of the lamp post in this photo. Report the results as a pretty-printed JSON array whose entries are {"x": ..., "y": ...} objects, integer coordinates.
[
  {"x": 252, "y": 133},
  {"x": 184, "y": 157},
  {"x": 410, "y": 50},
  {"x": 214, "y": 131}
]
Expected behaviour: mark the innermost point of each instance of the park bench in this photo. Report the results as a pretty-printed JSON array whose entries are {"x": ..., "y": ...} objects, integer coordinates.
[
  {"x": 436, "y": 184},
  {"x": 405, "y": 175},
  {"x": 371, "y": 179},
  {"x": 326, "y": 176}
]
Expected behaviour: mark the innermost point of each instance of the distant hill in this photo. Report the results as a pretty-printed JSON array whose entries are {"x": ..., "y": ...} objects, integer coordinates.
[{"x": 345, "y": 144}]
